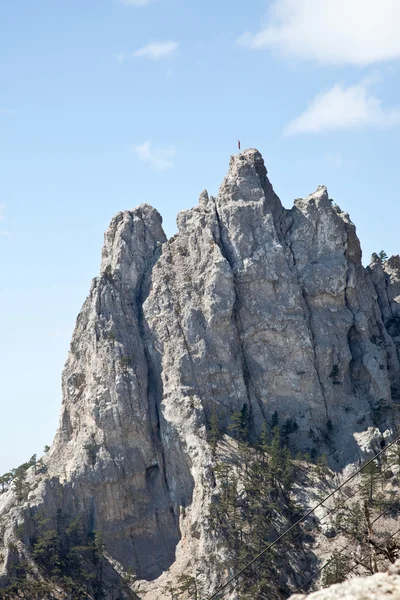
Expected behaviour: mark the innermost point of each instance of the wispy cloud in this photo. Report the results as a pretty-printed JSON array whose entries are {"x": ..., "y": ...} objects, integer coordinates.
[
  {"x": 2, "y": 212},
  {"x": 157, "y": 50},
  {"x": 358, "y": 32},
  {"x": 136, "y": 2},
  {"x": 344, "y": 108},
  {"x": 160, "y": 159}
]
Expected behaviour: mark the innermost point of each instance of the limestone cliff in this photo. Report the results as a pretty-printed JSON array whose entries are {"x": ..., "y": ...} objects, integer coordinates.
[{"x": 248, "y": 305}]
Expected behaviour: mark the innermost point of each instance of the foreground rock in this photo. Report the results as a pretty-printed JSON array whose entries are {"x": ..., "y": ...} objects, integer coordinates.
[{"x": 381, "y": 586}]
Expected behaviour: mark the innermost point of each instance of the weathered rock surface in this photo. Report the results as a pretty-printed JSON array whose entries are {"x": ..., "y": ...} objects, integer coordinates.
[
  {"x": 381, "y": 586},
  {"x": 249, "y": 304}
]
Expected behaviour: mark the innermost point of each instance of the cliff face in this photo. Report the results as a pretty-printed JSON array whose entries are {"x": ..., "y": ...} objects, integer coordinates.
[{"x": 249, "y": 307}]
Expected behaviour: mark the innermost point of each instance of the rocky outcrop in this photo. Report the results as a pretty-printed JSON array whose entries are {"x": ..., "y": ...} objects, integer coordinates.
[
  {"x": 381, "y": 586},
  {"x": 250, "y": 306},
  {"x": 108, "y": 450},
  {"x": 273, "y": 309}
]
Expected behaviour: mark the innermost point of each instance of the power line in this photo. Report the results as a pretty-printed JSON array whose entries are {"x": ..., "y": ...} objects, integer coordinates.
[
  {"x": 328, "y": 562},
  {"x": 350, "y": 496},
  {"x": 357, "y": 563},
  {"x": 292, "y": 527},
  {"x": 338, "y": 507},
  {"x": 335, "y": 509}
]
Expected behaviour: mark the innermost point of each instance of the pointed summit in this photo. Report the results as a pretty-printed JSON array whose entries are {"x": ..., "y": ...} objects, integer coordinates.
[{"x": 247, "y": 181}]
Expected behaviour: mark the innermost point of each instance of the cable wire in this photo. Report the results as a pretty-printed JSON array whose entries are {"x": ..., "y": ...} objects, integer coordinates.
[
  {"x": 290, "y": 529},
  {"x": 357, "y": 563},
  {"x": 313, "y": 576},
  {"x": 355, "y": 493},
  {"x": 338, "y": 507}
]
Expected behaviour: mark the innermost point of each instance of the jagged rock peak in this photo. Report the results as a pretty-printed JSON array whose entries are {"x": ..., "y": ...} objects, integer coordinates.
[
  {"x": 130, "y": 242},
  {"x": 247, "y": 180},
  {"x": 392, "y": 265},
  {"x": 248, "y": 165},
  {"x": 321, "y": 193}
]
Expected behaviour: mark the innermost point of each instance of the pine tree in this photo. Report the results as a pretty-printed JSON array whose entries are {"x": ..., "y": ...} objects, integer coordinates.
[
  {"x": 19, "y": 481},
  {"x": 382, "y": 255},
  {"x": 32, "y": 462},
  {"x": 5, "y": 480},
  {"x": 337, "y": 569},
  {"x": 275, "y": 451},
  {"x": 322, "y": 466},
  {"x": 46, "y": 552},
  {"x": 289, "y": 427},
  {"x": 286, "y": 469},
  {"x": 239, "y": 424},
  {"x": 353, "y": 521},
  {"x": 369, "y": 481},
  {"x": 246, "y": 516},
  {"x": 263, "y": 441},
  {"x": 187, "y": 586}
]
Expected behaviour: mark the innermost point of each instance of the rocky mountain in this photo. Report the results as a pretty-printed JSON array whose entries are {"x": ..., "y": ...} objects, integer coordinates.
[{"x": 249, "y": 308}]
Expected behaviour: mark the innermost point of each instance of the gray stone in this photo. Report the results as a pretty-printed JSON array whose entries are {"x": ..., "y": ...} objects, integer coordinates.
[{"x": 380, "y": 586}]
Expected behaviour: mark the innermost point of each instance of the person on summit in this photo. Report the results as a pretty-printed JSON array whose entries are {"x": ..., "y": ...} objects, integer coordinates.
[{"x": 239, "y": 144}]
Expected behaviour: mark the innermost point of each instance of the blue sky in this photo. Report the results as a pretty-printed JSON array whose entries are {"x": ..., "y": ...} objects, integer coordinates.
[{"x": 106, "y": 104}]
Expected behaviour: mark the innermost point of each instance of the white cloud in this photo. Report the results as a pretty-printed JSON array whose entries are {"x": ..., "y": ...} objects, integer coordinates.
[
  {"x": 2, "y": 212},
  {"x": 344, "y": 108},
  {"x": 136, "y": 2},
  {"x": 357, "y": 32},
  {"x": 160, "y": 159},
  {"x": 157, "y": 50}
]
